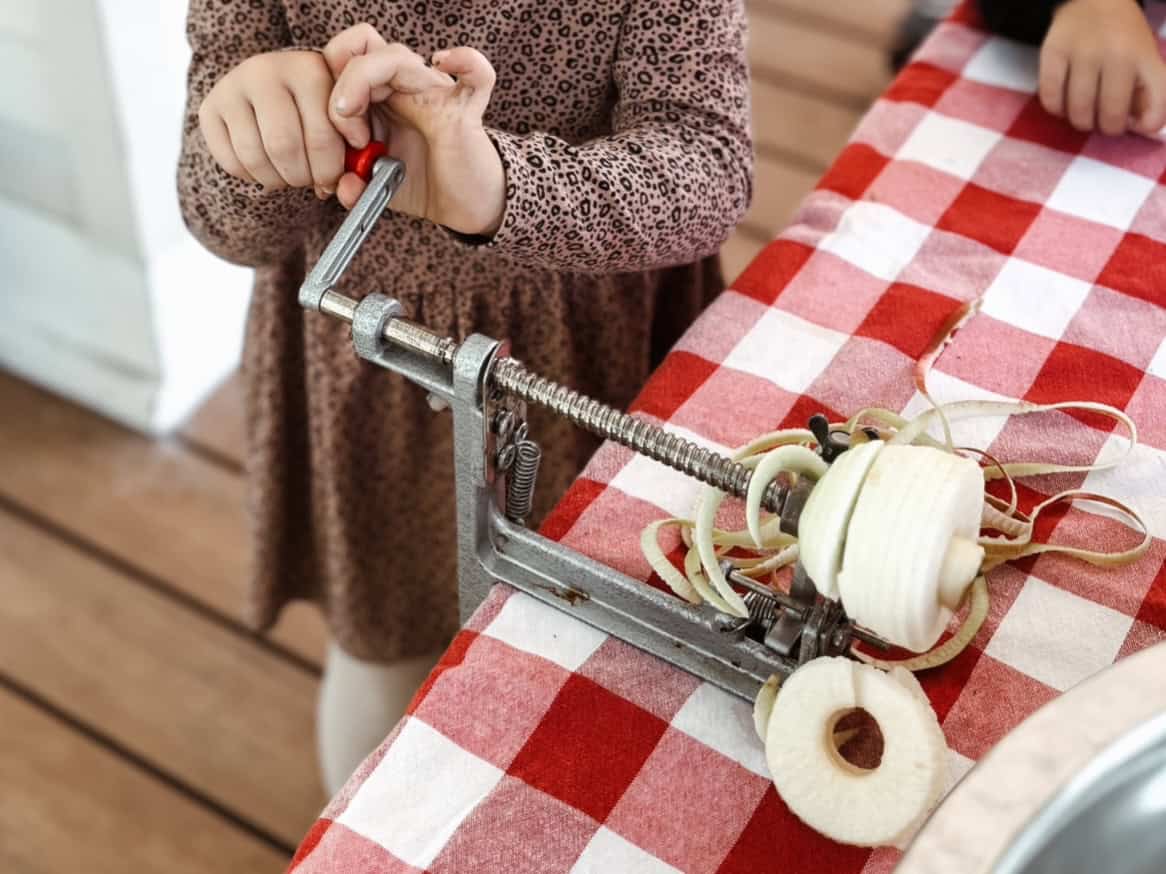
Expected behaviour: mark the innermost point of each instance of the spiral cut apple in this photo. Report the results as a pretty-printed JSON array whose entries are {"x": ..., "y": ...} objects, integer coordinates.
[{"x": 893, "y": 528}]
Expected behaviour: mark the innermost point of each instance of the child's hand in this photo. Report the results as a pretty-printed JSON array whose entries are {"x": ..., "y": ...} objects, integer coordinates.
[
  {"x": 453, "y": 174},
  {"x": 266, "y": 120},
  {"x": 1100, "y": 67}
]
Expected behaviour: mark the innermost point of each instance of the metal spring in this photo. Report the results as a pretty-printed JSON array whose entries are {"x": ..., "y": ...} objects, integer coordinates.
[
  {"x": 523, "y": 475},
  {"x": 762, "y": 609},
  {"x": 643, "y": 437}
]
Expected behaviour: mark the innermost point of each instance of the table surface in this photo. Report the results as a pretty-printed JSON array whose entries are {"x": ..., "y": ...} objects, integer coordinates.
[{"x": 541, "y": 744}]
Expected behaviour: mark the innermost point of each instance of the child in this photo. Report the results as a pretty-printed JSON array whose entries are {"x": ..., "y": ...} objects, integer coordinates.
[
  {"x": 1100, "y": 67},
  {"x": 574, "y": 207}
]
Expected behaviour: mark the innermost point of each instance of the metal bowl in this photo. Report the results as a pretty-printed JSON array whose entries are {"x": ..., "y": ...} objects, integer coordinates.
[
  {"x": 1079, "y": 787},
  {"x": 1110, "y": 818}
]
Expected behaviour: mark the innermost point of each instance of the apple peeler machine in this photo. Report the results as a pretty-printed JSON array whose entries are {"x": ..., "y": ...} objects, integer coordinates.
[{"x": 496, "y": 464}]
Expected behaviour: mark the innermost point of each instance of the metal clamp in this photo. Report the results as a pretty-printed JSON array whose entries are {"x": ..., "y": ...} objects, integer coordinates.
[{"x": 800, "y": 625}]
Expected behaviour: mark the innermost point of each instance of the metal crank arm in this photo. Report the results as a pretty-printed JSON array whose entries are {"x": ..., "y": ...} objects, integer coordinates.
[{"x": 384, "y": 176}]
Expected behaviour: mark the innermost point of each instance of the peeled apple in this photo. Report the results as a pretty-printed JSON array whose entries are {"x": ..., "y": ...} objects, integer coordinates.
[
  {"x": 891, "y": 531},
  {"x": 879, "y": 807},
  {"x": 824, "y": 518},
  {"x": 911, "y": 548}
]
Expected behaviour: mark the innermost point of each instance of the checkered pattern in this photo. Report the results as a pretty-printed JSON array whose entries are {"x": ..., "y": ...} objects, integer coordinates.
[{"x": 542, "y": 745}]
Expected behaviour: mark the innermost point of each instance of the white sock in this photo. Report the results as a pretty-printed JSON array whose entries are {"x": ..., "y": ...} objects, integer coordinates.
[{"x": 359, "y": 704}]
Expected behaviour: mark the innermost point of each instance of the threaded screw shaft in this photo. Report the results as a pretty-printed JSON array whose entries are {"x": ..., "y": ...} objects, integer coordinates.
[{"x": 643, "y": 437}]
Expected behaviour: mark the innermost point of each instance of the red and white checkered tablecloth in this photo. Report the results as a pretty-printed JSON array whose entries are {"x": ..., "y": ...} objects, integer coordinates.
[{"x": 542, "y": 745}]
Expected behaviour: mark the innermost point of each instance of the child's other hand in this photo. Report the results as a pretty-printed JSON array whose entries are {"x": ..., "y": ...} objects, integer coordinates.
[
  {"x": 453, "y": 174},
  {"x": 266, "y": 121},
  {"x": 1100, "y": 68}
]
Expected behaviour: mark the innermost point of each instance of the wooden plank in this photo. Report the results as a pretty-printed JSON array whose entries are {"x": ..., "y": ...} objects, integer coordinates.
[
  {"x": 738, "y": 251},
  {"x": 778, "y": 190},
  {"x": 877, "y": 19},
  {"x": 805, "y": 128},
  {"x": 807, "y": 56},
  {"x": 217, "y": 425},
  {"x": 196, "y": 700},
  {"x": 70, "y": 805},
  {"x": 153, "y": 505}
]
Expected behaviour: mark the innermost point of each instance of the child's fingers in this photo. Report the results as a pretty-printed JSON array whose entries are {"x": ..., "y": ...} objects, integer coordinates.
[
  {"x": 325, "y": 147},
  {"x": 1054, "y": 71},
  {"x": 360, "y": 39},
  {"x": 381, "y": 118},
  {"x": 218, "y": 142},
  {"x": 371, "y": 79},
  {"x": 1115, "y": 97},
  {"x": 1084, "y": 77},
  {"x": 1150, "y": 99},
  {"x": 473, "y": 72},
  {"x": 248, "y": 145},
  {"x": 278, "y": 118},
  {"x": 470, "y": 66},
  {"x": 349, "y": 189}
]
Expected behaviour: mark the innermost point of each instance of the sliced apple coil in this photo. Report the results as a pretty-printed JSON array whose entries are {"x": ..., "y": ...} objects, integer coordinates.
[
  {"x": 795, "y": 459},
  {"x": 883, "y": 806},
  {"x": 763, "y": 705}
]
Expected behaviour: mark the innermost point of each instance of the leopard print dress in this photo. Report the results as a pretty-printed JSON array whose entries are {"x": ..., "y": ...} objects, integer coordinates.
[{"x": 623, "y": 129}]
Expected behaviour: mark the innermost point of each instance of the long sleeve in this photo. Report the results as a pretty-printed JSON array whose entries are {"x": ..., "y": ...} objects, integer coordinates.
[
  {"x": 235, "y": 220},
  {"x": 1024, "y": 20},
  {"x": 674, "y": 177}
]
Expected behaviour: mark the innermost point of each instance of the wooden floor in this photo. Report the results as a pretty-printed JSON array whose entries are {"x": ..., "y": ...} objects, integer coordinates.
[{"x": 142, "y": 728}]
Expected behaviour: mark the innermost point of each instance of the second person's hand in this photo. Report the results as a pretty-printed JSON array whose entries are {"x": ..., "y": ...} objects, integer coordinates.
[{"x": 1100, "y": 67}]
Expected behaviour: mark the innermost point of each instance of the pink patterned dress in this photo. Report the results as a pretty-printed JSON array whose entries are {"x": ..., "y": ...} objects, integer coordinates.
[{"x": 623, "y": 126}]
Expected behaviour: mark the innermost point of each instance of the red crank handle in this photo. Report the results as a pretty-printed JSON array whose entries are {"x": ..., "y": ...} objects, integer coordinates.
[{"x": 362, "y": 161}]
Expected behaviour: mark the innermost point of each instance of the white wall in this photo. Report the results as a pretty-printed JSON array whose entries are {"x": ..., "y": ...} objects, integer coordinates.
[{"x": 103, "y": 295}]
